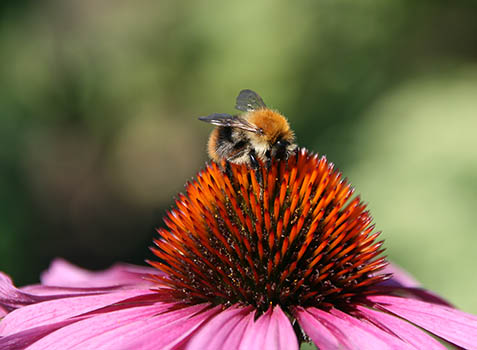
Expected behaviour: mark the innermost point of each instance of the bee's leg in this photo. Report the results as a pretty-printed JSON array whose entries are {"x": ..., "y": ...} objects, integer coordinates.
[
  {"x": 228, "y": 169},
  {"x": 268, "y": 156},
  {"x": 253, "y": 160},
  {"x": 256, "y": 167},
  {"x": 296, "y": 153}
]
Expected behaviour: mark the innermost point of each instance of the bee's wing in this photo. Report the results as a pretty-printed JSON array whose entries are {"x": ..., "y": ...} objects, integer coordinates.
[
  {"x": 224, "y": 119},
  {"x": 248, "y": 100}
]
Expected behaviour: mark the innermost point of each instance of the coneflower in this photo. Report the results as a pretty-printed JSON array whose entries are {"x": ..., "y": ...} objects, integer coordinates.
[{"x": 265, "y": 258}]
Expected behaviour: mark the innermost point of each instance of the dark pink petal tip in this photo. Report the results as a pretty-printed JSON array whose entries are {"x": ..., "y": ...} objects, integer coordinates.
[{"x": 12, "y": 297}]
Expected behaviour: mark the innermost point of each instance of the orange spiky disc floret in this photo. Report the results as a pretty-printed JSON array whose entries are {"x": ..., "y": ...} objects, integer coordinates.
[{"x": 287, "y": 234}]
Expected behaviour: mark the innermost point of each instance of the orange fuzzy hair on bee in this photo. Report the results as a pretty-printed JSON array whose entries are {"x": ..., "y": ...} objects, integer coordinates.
[
  {"x": 212, "y": 146},
  {"x": 272, "y": 123}
]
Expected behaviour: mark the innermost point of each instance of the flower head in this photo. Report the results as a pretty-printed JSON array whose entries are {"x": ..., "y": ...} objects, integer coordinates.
[
  {"x": 287, "y": 235},
  {"x": 263, "y": 258}
]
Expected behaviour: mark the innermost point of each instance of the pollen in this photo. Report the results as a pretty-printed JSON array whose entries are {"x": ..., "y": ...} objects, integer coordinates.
[{"x": 289, "y": 233}]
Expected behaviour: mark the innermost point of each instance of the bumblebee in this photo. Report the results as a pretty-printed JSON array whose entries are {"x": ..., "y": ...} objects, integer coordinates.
[{"x": 258, "y": 134}]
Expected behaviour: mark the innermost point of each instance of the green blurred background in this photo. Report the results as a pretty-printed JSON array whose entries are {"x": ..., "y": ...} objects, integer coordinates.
[{"x": 99, "y": 103}]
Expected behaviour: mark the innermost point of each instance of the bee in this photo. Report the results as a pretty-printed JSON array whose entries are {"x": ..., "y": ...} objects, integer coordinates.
[{"x": 258, "y": 134}]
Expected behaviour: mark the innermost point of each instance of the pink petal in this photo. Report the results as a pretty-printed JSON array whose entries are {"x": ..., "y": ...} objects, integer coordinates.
[
  {"x": 353, "y": 333},
  {"x": 175, "y": 332},
  {"x": 272, "y": 330},
  {"x": 319, "y": 334},
  {"x": 455, "y": 326},
  {"x": 144, "y": 328},
  {"x": 51, "y": 292},
  {"x": 224, "y": 331},
  {"x": 12, "y": 297},
  {"x": 404, "y": 330},
  {"x": 21, "y": 340},
  {"x": 424, "y": 295},
  {"x": 63, "y": 274},
  {"x": 3, "y": 311},
  {"x": 53, "y": 311}
]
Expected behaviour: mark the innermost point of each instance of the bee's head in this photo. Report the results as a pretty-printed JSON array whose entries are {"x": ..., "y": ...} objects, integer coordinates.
[{"x": 275, "y": 136}]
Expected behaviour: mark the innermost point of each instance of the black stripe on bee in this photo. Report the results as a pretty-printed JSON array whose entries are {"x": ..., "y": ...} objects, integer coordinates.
[{"x": 225, "y": 134}]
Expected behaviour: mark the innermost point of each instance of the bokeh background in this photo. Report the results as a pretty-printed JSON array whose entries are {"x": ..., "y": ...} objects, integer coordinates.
[{"x": 99, "y": 103}]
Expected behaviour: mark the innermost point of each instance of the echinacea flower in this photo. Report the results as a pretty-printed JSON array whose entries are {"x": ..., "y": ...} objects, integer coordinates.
[{"x": 265, "y": 258}]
